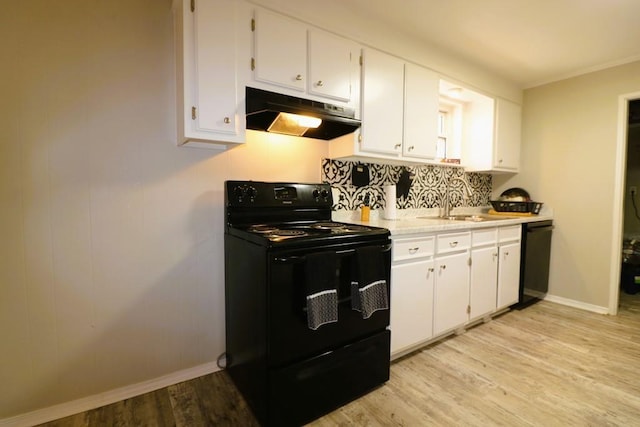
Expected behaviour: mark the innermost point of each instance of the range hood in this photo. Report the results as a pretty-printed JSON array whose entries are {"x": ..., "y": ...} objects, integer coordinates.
[{"x": 275, "y": 112}]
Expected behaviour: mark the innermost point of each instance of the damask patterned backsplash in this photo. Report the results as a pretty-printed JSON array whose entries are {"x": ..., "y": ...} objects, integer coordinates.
[{"x": 428, "y": 185}]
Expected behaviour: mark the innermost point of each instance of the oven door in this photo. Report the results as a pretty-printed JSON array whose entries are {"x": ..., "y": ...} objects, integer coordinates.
[{"x": 289, "y": 337}]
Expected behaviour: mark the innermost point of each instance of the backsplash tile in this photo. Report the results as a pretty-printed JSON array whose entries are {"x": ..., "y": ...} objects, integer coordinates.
[{"x": 429, "y": 184}]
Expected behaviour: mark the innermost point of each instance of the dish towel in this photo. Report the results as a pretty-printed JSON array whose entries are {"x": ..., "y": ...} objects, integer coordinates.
[
  {"x": 321, "y": 289},
  {"x": 369, "y": 292}
]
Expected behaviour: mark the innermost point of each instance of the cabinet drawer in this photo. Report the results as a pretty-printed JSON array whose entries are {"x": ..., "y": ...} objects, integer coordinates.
[
  {"x": 452, "y": 242},
  {"x": 483, "y": 237},
  {"x": 509, "y": 233},
  {"x": 418, "y": 247}
]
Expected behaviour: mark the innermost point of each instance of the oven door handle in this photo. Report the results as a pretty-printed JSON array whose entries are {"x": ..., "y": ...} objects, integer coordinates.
[
  {"x": 290, "y": 259},
  {"x": 345, "y": 252}
]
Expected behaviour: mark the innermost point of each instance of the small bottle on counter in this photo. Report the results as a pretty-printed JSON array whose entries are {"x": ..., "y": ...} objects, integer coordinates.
[{"x": 365, "y": 210}]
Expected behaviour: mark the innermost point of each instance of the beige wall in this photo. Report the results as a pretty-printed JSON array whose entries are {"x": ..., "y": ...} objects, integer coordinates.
[{"x": 569, "y": 162}]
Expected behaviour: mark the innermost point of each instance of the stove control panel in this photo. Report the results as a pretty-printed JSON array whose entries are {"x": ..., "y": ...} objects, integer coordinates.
[{"x": 275, "y": 194}]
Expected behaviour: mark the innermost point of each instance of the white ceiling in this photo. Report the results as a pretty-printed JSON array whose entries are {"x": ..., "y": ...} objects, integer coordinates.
[{"x": 530, "y": 42}]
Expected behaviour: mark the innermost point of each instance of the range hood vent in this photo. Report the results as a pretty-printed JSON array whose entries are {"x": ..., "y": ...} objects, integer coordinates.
[{"x": 263, "y": 108}]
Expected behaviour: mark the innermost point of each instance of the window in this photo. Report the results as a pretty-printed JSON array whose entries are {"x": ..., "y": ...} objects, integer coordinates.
[
  {"x": 444, "y": 131},
  {"x": 449, "y": 144}
]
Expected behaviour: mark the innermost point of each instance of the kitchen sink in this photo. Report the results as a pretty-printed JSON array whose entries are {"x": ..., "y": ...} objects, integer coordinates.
[{"x": 472, "y": 218}]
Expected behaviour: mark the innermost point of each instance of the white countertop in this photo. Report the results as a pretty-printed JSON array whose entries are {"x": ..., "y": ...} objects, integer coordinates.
[{"x": 412, "y": 221}]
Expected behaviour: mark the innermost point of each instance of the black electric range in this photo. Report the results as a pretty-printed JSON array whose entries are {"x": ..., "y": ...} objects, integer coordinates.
[{"x": 280, "y": 241}]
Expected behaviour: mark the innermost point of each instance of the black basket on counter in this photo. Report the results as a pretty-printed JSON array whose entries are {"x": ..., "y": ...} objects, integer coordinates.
[{"x": 520, "y": 207}]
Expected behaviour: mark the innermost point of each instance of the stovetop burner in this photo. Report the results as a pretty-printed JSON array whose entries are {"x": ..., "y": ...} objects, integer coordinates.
[
  {"x": 327, "y": 225},
  {"x": 275, "y": 230},
  {"x": 262, "y": 228},
  {"x": 339, "y": 227}
]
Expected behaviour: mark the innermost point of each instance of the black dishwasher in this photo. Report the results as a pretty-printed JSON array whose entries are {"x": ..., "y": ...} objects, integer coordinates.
[{"x": 534, "y": 265}]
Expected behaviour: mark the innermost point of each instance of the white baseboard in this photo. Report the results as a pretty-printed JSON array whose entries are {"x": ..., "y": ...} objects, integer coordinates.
[
  {"x": 577, "y": 304},
  {"x": 97, "y": 400}
]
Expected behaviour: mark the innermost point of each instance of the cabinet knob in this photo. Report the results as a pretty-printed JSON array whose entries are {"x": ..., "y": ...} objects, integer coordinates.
[
  {"x": 227, "y": 120},
  {"x": 410, "y": 148},
  {"x": 395, "y": 147},
  {"x": 443, "y": 267},
  {"x": 299, "y": 77},
  {"x": 499, "y": 160},
  {"x": 414, "y": 250},
  {"x": 320, "y": 83},
  {"x": 453, "y": 244},
  {"x": 430, "y": 269}
]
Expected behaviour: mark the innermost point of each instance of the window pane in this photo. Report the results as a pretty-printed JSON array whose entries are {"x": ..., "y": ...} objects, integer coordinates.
[{"x": 441, "y": 148}]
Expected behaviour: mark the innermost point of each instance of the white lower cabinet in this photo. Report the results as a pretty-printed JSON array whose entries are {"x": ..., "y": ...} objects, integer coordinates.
[
  {"x": 442, "y": 282},
  {"x": 451, "y": 296},
  {"x": 484, "y": 278},
  {"x": 452, "y": 292},
  {"x": 495, "y": 270},
  {"x": 508, "y": 266},
  {"x": 484, "y": 272},
  {"x": 412, "y": 304},
  {"x": 412, "y": 279}
]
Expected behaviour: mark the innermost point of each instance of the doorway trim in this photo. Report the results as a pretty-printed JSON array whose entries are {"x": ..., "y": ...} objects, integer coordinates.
[{"x": 618, "y": 202}]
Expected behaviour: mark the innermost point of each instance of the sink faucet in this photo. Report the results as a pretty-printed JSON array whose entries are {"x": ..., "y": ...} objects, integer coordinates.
[{"x": 446, "y": 205}]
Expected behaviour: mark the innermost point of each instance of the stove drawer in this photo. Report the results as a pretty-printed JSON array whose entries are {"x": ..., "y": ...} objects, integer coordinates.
[{"x": 309, "y": 389}]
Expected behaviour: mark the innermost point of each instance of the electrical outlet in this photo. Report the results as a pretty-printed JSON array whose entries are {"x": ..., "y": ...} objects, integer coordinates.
[{"x": 633, "y": 190}]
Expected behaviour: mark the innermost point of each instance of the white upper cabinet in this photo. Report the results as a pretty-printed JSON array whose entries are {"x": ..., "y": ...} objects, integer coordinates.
[
  {"x": 280, "y": 50},
  {"x": 382, "y": 103},
  {"x": 291, "y": 55},
  {"x": 222, "y": 46},
  {"x": 508, "y": 135},
  {"x": 399, "y": 111},
  {"x": 206, "y": 47},
  {"x": 421, "y": 103},
  {"x": 330, "y": 65},
  {"x": 490, "y": 131}
]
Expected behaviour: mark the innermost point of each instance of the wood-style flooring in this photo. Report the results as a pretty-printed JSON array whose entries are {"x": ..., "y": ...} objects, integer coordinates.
[{"x": 546, "y": 365}]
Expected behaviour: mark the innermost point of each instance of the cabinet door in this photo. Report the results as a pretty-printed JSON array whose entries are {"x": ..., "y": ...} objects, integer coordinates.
[
  {"x": 484, "y": 281},
  {"x": 421, "y": 102},
  {"x": 207, "y": 78},
  {"x": 330, "y": 65},
  {"x": 280, "y": 50},
  {"x": 508, "y": 274},
  {"x": 508, "y": 128},
  {"x": 478, "y": 131},
  {"x": 451, "y": 292},
  {"x": 382, "y": 102},
  {"x": 411, "y": 304}
]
